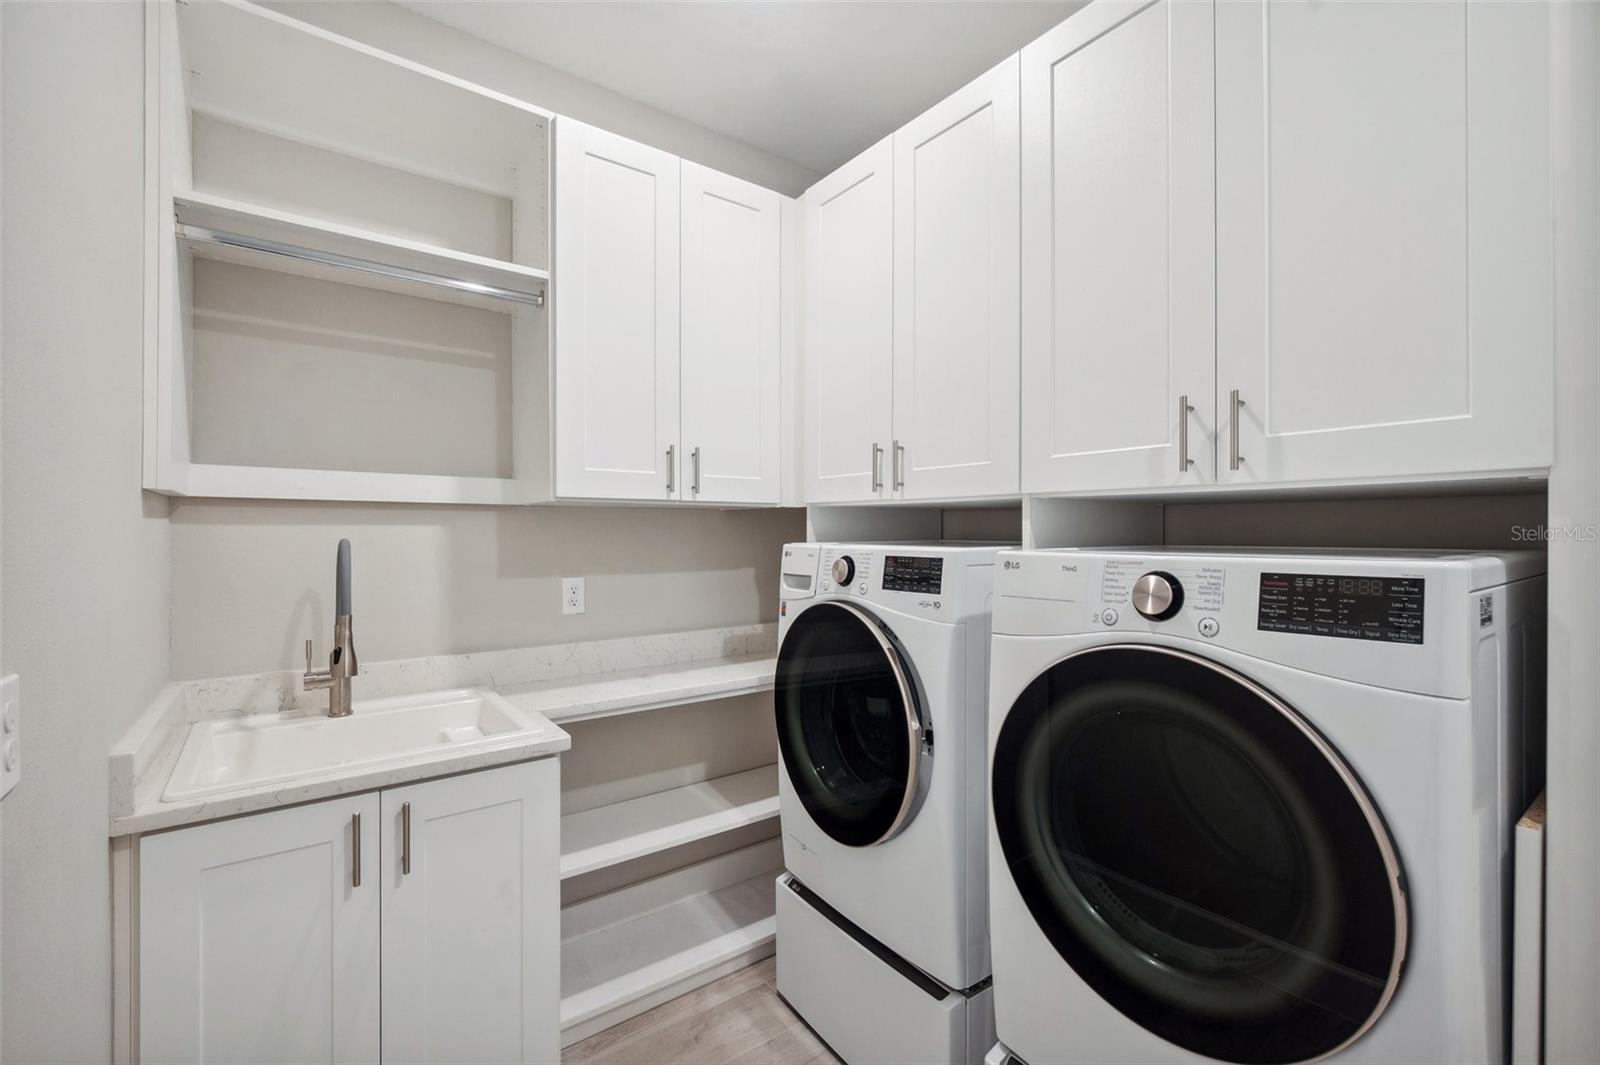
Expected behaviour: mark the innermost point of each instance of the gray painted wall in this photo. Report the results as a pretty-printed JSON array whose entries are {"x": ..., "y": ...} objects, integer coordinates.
[
  {"x": 86, "y": 559},
  {"x": 251, "y": 581}
]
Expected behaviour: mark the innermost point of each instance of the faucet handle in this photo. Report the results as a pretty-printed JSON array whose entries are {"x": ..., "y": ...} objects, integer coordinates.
[{"x": 314, "y": 678}]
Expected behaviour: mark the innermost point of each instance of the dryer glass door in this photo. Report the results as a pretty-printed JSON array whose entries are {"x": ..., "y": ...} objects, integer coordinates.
[
  {"x": 847, "y": 721},
  {"x": 1199, "y": 854}
]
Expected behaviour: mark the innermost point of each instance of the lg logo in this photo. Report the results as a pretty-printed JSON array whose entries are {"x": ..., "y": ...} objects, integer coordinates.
[{"x": 1012, "y": 564}]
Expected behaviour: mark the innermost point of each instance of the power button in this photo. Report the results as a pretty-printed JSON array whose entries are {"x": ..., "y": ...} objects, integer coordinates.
[{"x": 1108, "y": 616}]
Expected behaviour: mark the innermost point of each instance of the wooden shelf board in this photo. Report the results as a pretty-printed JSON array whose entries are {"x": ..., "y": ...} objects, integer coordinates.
[
  {"x": 620, "y": 832},
  {"x": 264, "y": 70},
  {"x": 574, "y": 699},
  {"x": 614, "y": 972}
]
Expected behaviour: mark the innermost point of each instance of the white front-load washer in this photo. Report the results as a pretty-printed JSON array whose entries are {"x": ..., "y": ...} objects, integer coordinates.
[
  {"x": 880, "y": 696},
  {"x": 1257, "y": 807}
]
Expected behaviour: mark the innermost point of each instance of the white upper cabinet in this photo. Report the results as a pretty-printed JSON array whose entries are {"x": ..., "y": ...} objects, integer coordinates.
[
  {"x": 471, "y": 917},
  {"x": 1118, "y": 262},
  {"x": 730, "y": 354},
  {"x": 259, "y": 937},
  {"x": 849, "y": 329},
  {"x": 955, "y": 295},
  {"x": 616, "y": 317},
  {"x": 1383, "y": 239}
]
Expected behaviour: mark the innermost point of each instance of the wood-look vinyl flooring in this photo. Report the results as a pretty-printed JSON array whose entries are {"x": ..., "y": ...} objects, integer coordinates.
[{"x": 736, "y": 1020}]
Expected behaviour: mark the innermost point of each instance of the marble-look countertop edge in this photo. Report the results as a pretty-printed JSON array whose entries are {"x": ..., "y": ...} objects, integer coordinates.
[{"x": 154, "y": 814}]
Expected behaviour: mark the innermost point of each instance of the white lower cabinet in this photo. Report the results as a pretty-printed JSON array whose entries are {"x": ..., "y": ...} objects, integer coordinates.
[
  {"x": 471, "y": 925},
  {"x": 421, "y": 923},
  {"x": 258, "y": 937}
]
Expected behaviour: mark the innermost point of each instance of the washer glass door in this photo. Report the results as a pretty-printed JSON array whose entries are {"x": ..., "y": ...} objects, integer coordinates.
[
  {"x": 848, "y": 727},
  {"x": 1199, "y": 855}
]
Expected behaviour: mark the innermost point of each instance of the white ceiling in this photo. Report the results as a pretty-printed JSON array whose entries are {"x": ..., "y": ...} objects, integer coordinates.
[{"x": 810, "y": 81}]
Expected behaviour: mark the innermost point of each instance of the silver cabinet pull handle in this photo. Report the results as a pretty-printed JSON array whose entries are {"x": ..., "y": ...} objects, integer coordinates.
[
  {"x": 1184, "y": 410},
  {"x": 405, "y": 838},
  {"x": 899, "y": 465},
  {"x": 877, "y": 466},
  {"x": 355, "y": 850},
  {"x": 1235, "y": 405},
  {"x": 694, "y": 485},
  {"x": 672, "y": 454}
]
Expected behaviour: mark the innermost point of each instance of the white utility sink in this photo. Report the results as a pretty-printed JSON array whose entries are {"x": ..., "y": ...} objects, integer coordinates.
[{"x": 266, "y": 749}]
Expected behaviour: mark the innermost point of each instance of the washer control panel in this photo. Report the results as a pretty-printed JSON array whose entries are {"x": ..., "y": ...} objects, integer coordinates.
[
  {"x": 913, "y": 573},
  {"x": 941, "y": 582}
]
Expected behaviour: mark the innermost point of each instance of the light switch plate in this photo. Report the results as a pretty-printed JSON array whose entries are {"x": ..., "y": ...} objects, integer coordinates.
[
  {"x": 10, "y": 733},
  {"x": 572, "y": 595}
]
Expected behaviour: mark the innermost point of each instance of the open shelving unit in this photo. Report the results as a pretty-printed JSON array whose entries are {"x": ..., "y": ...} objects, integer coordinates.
[
  {"x": 631, "y": 950},
  {"x": 348, "y": 282},
  {"x": 620, "y": 832}
]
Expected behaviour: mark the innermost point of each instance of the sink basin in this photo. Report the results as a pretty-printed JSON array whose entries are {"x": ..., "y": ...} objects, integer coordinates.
[{"x": 263, "y": 750}]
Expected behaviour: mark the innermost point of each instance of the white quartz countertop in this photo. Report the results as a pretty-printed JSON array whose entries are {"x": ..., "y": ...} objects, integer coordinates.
[{"x": 551, "y": 685}]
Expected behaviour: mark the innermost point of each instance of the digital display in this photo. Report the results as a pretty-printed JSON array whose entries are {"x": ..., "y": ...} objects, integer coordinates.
[
  {"x": 907, "y": 573},
  {"x": 1351, "y": 608}
]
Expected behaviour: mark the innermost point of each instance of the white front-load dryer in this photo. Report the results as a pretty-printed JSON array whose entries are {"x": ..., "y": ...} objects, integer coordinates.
[
  {"x": 880, "y": 696},
  {"x": 1257, "y": 807}
]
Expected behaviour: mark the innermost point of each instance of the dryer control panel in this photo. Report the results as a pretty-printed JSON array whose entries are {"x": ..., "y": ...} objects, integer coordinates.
[{"x": 1350, "y": 607}]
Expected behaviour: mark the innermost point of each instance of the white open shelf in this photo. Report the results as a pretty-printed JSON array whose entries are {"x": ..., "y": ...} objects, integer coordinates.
[
  {"x": 620, "y": 832},
  {"x": 253, "y": 67},
  {"x": 632, "y": 691},
  {"x": 620, "y": 970},
  {"x": 462, "y": 276},
  {"x": 293, "y": 172}
]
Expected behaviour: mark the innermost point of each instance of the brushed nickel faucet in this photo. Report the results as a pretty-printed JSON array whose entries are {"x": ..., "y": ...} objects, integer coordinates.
[{"x": 342, "y": 664}]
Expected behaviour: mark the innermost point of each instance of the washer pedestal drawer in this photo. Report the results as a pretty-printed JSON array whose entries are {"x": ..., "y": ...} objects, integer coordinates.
[{"x": 868, "y": 1005}]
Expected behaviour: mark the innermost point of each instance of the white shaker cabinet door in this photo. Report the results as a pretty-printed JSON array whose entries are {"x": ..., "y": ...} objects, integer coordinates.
[
  {"x": 615, "y": 301},
  {"x": 955, "y": 294},
  {"x": 471, "y": 917},
  {"x": 849, "y": 329},
  {"x": 730, "y": 356},
  {"x": 258, "y": 937},
  {"x": 1383, "y": 239},
  {"x": 1118, "y": 259}
]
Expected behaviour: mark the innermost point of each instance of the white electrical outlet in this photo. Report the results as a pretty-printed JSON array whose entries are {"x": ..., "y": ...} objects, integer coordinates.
[
  {"x": 10, "y": 733},
  {"x": 572, "y": 595}
]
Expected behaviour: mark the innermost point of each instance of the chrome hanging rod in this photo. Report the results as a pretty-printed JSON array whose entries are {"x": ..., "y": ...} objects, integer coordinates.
[{"x": 365, "y": 266}]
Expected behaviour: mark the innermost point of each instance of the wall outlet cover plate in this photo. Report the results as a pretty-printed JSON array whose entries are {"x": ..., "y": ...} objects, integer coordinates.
[
  {"x": 572, "y": 595},
  {"x": 10, "y": 733}
]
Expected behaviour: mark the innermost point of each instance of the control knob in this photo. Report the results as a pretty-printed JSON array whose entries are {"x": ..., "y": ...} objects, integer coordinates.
[
  {"x": 1157, "y": 595},
  {"x": 844, "y": 570}
]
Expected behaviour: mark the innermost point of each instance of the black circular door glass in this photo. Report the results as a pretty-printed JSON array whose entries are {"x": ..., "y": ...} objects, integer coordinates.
[
  {"x": 844, "y": 724},
  {"x": 1196, "y": 855}
]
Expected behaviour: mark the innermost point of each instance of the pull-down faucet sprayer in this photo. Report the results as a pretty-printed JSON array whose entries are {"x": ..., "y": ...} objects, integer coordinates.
[{"x": 342, "y": 664}]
